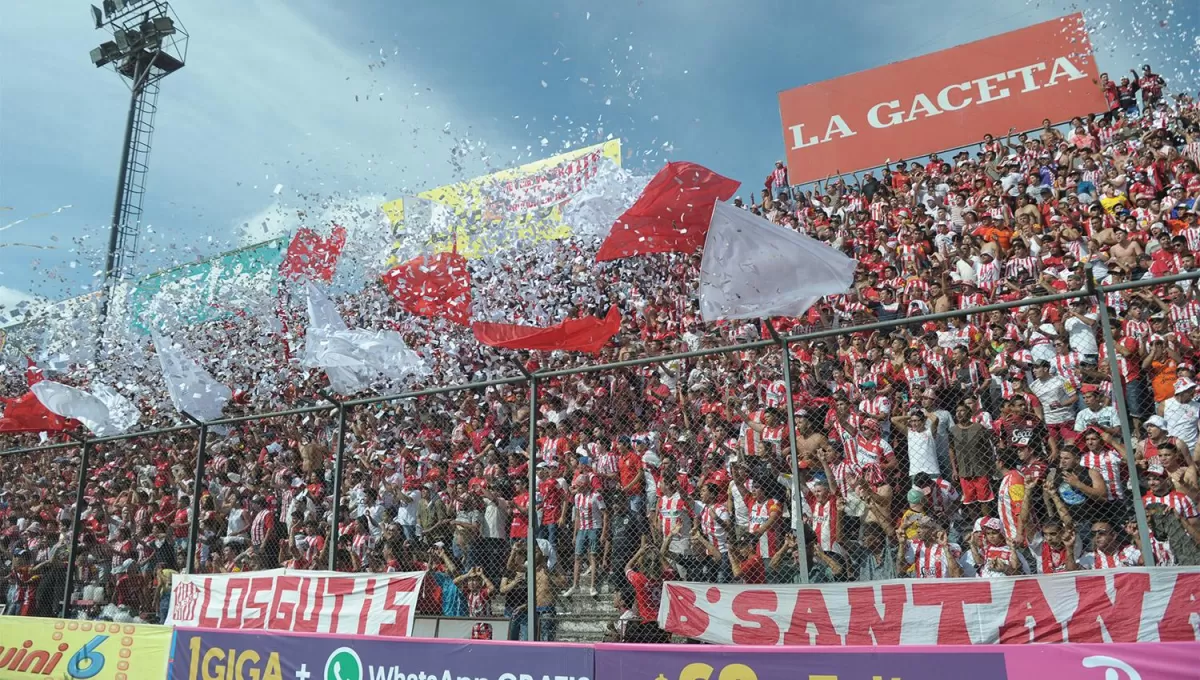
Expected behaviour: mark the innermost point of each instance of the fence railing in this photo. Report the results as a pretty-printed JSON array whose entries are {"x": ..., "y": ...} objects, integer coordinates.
[{"x": 807, "y": 482}]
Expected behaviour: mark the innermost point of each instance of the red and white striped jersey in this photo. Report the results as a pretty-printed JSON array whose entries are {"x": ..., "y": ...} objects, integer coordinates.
[
  {"x": 1184, "y": 317},
  {"x": 1127, "y": 556},
  {"x": 1009, "y": 502},
  {"x": 1067, "y": 367},
  {"x": 1192, "y": 234},
  {"x": 1021, "y": 267},
  {"x": 931, "y": 560},
  {"x": 879, "y": 405},
  {"x": 917, "y": 377},
  {"x": 259, "y": 527},
  {"x": 988, "y": 275},
  {"x": 606, "y": 462},
  {"x": 1111, "y": 469},
  {"x": 589, "y": 509},
  {"x": 673, "y": 512},
  {"x": 870, "y": 451},
  {"x": 752, "y": 440},
  {"x": 1138, "y": 330},
  {"x": 760, "y": 514},
  {"x": 823, "y": 518},
  {"x": 1179, "y": 503},
  {"x": 713, "y": 519},
  {"x": 775, "y": 394},
  {"x": 774, "y": 439},
  {"x": 846, "y": 476}
]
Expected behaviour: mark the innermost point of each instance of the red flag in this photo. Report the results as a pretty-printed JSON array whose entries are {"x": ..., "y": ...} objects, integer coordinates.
[
  {"x": 671, "y": 215},
  {"x": 27, "y": 414},
  {"x": 312, "y": 256},
  {"x": 588, "y": 334},
  {"x": 435, "y": 286},
  {"x": 33, "y": 374}
]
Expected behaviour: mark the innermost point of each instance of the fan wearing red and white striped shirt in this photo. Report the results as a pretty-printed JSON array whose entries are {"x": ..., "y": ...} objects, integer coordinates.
[
  {"x": 1107, "y": 551},
  {"x": 931, "y": 554},
  {"x": 823, "y": 511},
  {"x": 1162, "y": 491}
]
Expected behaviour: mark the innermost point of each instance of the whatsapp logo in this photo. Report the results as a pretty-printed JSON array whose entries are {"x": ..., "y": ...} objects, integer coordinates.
[{"x": 344, "y": 664}]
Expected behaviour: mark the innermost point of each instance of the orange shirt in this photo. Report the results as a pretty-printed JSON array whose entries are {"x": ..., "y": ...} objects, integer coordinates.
[{"x": 1163, "y": 379}]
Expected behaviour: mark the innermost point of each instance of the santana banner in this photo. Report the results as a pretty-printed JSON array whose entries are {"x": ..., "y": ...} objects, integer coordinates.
[
  {"x": 219, "y": 655},
  {"x": 941, "y": 101},
  {"x": 1125, "y": 605},
  {"x": 53, "y": 648},
  {"x": 490, "y": 212},
  {"x": 1061, "y": 662},
  {"x": 300, "y": 601}
]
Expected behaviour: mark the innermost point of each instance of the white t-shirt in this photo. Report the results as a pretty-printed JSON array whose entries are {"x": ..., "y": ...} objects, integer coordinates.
[
  {"x": 922, "y": 453},
  {"x": 1182, "y": 420},
  {"x": 1051, "y": 390},
  {"x": 1081, "y": 336}
]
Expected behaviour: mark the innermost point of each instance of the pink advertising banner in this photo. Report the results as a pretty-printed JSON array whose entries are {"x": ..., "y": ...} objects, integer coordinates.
[{"x": 1145, "y": 661}]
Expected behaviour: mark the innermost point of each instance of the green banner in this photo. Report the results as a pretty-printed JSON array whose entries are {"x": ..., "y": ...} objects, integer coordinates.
[{"x": 207, "y": 290}]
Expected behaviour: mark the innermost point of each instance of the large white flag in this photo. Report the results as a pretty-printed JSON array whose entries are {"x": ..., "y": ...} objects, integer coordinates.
[
  {"x": 192, "y": 389},
  {"x": 353, "y": 359},
  {"x": 122, "y": 414},
  {"x": 71, "y": 402},
  {"x": 753, "y": 268}
]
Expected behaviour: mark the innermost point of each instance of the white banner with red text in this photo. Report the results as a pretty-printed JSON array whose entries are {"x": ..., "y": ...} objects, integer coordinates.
[
  {"x": 299, "y": 601},
  {"x": 1120, "y": 605}
]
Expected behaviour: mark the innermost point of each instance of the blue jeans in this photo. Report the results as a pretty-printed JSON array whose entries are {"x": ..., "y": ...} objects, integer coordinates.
[
  {"x": 164, "y": 605},
  {"x": 518, "y": 625},
  {"x": 587, "y": 541},
  {"x": 547, "y": 622}
]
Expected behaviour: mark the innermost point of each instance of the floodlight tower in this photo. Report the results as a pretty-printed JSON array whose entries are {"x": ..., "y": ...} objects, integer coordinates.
[{"x": 148, "y": 44}]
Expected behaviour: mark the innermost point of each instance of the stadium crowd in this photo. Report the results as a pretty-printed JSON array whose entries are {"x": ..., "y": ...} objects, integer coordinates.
[{"x": 979, "y": 446}]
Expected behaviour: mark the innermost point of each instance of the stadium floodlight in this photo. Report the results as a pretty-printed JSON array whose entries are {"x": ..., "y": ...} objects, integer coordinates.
[
  {"x": 106, "y": 53},
  {"x": 146, "y": 43},
  {"x": 127, "y": 40},
  {"x": 164, "y": 26}
]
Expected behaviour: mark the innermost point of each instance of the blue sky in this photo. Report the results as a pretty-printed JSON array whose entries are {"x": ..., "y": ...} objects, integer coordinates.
[{"x": 347, "y": 103}]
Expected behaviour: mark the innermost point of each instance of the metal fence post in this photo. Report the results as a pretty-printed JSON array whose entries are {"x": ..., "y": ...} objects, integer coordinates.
[
  {"x": 531, "y": 509},
  {"x": 335, "y": 518},
  {"x": 194, "y": 515},
  {"x": 794, "y": 456},
  {"x": 76, "y": 520},
  {"x": 1118, "y": 390}
]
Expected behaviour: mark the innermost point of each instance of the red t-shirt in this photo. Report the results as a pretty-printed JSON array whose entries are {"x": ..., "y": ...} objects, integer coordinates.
[
  {"x": 647, "y": 593},
  {"x": 552, "y": 500},
  {"x": 630, "y": 469},
  {"x": 753, "y": 570}
]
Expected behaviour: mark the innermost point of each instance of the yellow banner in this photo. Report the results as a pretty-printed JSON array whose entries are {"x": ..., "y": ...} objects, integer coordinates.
[
  {"x": 54, "y": 648},
  {"x": 527, "y": 197}
]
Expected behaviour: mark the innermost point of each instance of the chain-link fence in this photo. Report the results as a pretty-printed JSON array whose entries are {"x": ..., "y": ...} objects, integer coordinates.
[{"x": 975, "y": 443}]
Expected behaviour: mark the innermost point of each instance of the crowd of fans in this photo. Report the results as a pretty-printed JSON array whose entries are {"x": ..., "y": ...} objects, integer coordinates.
[{"x": 980, "y": 446}]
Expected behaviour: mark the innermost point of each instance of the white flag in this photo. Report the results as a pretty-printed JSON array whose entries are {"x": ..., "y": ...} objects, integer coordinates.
[
  {"x": 353, "y": 359},
  {"x": 192, "y": 389},
  {"x": 753, "y": 268},
  {"x": 70, "y": 402},
  {"x": 122, "y": 414}
]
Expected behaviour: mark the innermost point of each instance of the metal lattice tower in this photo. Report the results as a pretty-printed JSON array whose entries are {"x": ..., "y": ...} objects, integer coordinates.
[{"x": 147, "y": 45}]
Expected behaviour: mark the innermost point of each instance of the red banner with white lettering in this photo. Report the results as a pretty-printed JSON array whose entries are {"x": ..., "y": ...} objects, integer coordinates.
[
  {"x": 941, "y": 101},
  {"x": 298, "y": 601},
  {"x": 1118, "y": 605}
]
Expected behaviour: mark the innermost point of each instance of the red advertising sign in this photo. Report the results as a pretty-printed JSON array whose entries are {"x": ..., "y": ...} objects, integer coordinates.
[
  {"x": 298, "y": 601},
  {"x": 941, "y": 101},
  {"x": 1125, "y": 605}
]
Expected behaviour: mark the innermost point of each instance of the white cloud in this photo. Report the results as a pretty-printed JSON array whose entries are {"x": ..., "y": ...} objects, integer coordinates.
[{"x": 270, "y": 95}]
